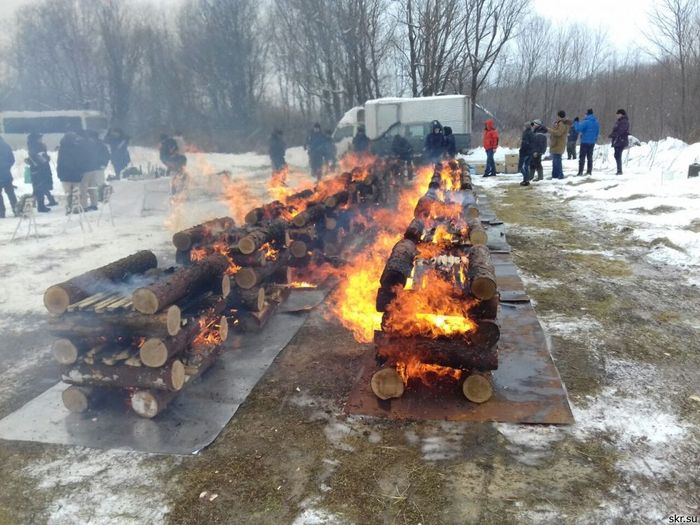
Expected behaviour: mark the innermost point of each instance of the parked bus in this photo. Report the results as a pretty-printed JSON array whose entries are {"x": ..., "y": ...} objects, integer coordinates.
[{"x": 16, "y": 125}]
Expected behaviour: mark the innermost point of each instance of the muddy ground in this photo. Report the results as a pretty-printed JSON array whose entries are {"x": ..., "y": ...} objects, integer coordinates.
[{"x": 624, "y": 337}]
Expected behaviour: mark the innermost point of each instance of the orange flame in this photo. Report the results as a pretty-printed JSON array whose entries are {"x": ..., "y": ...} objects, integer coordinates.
[{"x": 412, "y": 367}]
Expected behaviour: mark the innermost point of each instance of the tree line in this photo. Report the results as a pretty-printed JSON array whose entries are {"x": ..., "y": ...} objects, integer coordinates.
[{"x": 226, "y": 73}]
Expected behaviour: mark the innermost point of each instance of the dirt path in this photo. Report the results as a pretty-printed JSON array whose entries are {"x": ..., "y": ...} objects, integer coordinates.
[{"x": 625, "y": 339}]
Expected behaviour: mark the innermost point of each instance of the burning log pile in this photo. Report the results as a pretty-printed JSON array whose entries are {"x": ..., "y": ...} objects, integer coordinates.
[
  {"x": 133, "y": 330},
  {"x": 438, "y": 296}
]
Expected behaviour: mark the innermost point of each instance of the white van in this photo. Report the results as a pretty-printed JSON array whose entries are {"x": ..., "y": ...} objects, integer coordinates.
[{"x": 16, "y": 125}]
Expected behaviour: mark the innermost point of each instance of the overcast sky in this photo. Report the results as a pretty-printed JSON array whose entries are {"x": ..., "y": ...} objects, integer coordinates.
[{"x": 623, "y": 19}]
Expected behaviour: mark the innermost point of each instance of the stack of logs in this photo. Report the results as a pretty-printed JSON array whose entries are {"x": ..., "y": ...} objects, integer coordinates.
[
  {"x": 464, "y": 261},
  {"x": 133, "y": 330}
]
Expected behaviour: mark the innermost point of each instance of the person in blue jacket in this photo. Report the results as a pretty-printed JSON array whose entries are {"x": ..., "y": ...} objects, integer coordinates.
[{"x": 589, "y": 130}]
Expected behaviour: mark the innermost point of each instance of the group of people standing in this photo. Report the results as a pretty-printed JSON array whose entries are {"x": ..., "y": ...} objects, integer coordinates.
[
  {"x": 82, "y": 159},
  {"x": 563, "y": 136},
  {"x": 439, "y": 143},
  {"x": 322, "y": 152}
]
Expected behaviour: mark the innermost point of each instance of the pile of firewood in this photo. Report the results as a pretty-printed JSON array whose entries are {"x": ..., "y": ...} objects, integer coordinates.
[
  {"x": 447, "y": 241},
  {"x": 133, "y": 330}
]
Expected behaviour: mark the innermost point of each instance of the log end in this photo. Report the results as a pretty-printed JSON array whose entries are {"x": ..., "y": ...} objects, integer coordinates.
[
  {"x": 387, "y": 384},
  {"x": 75, "y": 399},
  {"x": 145, "y": 301},
  {"x": 298, "y": 249},
  {"x": 225, "y": 286},
  {"x": 479, "y": 238},
  {"x": 153, "y": 353},
  {"x": 146, "y": 404},
  {"x": 177, "y": 375},
  {"x": 174, "y": 320},
  {"x": 56, "y": 300},
  {"x": 182, "y": 241},
  {"x": 331, "y": 223},
  {"x": 64, "y": 351},
  {"x": 299, "y": 220},
  {"x": 247, "y": 245},
  {"x": 246, "y": 278},
  {"x": 223, "y": 328},
  {"x": 477, "y": 388},
  {"x": 483, "y": 288},
  {"x": 252, "y": 217},
  {"x": 487, "y": 334}
]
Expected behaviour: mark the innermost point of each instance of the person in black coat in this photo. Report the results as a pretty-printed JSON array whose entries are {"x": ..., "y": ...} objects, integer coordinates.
[
  {"x": 360, "y": 142},
  {"x": 527, "y": 144},
  {"x": 539, "y": 148},
  {"x": 7, "y": 160},
  {"x": 315, "y": 146},
  {"x": 39, "y": 164},
  {"x": 277, "y": 150},
  {"x": 330, "y": 152},
  {"x": 72, "y": 164},
  {"x": 450, "y": 143},
  {"x": 118, "y": 143},
  {"x": 571, "y": 141},
  {"x": 403, "y": 151},
  {"x": 434, "y": 146},
  {"x": 620, "y": 137}
]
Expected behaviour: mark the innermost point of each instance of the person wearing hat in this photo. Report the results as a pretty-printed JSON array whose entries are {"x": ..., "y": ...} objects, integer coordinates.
[
  {"x": 490, "y": 143},
  {"x": 434, "y": 146},
  {"x": 525, "y": 153},
  {"x": 557, "y": 143},
  {"x": 315, "y": 146},
  {"x": 7, "y": 160},
  {"x": 40, "y": 171},
  {"x": 539, "y": 148},
  {"x": 589, "y": 130},
  {"x": 620, "y": 137}
]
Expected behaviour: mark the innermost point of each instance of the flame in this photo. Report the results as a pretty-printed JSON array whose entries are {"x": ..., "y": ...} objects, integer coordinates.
[
  {"x": 411, "y": 367},
  {"x": 302, "y": 284},
  {"x": 208, "y": 333},
  {"x": 198, "y": 254},
  {"x": 277, "y": 186},
  {"x": 269, "y": 252}
]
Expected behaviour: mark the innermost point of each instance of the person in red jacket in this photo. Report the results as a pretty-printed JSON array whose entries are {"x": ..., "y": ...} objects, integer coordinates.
[{"x": 490, "y": 145}]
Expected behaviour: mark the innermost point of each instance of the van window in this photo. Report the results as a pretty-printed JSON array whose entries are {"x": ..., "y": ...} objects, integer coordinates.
[
  {"x": 41, "y": 125},
  {"x": 416, "y": 130},
  {"x": 343, "y": 133},
  {"x": 96, "y": 123}
]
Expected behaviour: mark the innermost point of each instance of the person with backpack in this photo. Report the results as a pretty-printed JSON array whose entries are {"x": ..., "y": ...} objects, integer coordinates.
[
  {"x": 589, "y": 130},
  {"x": 539, "y": 148},
  {"x": 490, "y": 145},
  {"x": 620, "y": 137}
]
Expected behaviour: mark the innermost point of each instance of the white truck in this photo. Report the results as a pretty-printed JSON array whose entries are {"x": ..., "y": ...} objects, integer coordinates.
[
  {"x": 410, "y": 117},
  {"x": 16, "y": 125}
]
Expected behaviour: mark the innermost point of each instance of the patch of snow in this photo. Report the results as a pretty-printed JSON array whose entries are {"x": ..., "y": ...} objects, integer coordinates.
[
  {"x": 530, "y": 444},
  {"x": 313, "y": 515},
  {"x": 109, "y": 488}
]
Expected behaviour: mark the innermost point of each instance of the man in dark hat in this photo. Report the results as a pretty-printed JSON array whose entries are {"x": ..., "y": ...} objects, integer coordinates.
[
  {"x": 620, "y": 137},
  {"x": 434, "y": 147},
  {"x": 526, "y": 148},
  {"x": 40, "y": 171}
]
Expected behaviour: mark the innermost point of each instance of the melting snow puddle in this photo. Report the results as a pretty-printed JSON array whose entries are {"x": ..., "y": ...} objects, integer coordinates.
[{"x": 312, "y": 515}]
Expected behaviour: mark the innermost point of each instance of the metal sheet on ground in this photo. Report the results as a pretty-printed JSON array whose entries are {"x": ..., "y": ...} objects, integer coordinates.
[{"x": 191, "y": 422}]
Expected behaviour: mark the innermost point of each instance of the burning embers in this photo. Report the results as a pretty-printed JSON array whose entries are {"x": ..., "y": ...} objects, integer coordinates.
[{"x": 437, "y": 298}]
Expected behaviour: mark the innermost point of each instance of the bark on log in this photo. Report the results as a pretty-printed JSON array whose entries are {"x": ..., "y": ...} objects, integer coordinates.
[
  {"x": 183, "y": 282},
  {"x": 57, "y": 298},
  {"x": 267, "y": 212},
  {"x": 487, "y": 309},
  {"x": 252, "y": 299},
  {"x": 156, "y": 351},
  {"x": 310, "y": 215},
  {"x": 169, "y": 377},
  {"x": 387, "y": 384},
  {"x": 254, "y": 259},
  {"x": 202, "y": 233},
  {"x": 453, "y": 352},
  {"x": 255, "y": 321},
  {"x": 79, "y": 399},
  {"x": 166, "y": 323},
  {"x": 399, "y": 265},
  {"x": 477, "y": 233},
  {"x": 273, "y": 232},
  {"x": 424, "y": 207},
  {"x": 481, "y": 273},
  {"x": 247, "y": 278}
]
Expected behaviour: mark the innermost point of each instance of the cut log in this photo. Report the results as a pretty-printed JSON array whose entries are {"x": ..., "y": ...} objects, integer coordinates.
[
  {"x": 254, "y": 259},
  {"x": 57, "y": 298},
  {"x": 481, "y": 273},
  {"x": 453, "y": 352},
  {"x": 487, "y": 309},
  {"x": 247, "y": 278},
  {"x": 150, "y": 403},
  {"x": 79, "y": 399},
  {"x": 310, "y": 215},
  {"x": 252, "y": 299},
  {"x": 273, "y": 232},
  {"x": 424, "y": 207},
  {"x": 477, "y": 388},
  {"x": 477, "y": 233},
  {"x": 414, "y": 232},
  {"x": 470, "y": 211},
  {"x": 223, "y": 328},
  {"x": 399, "y": 265},
  {"x": 267, "y": 212},
  {"x": 337, "y": 199},
  {"x": 163, "y": 324},
  {"x": 156, "y": 351},
  {"x": 255, "y": 321},
  {"x": 203, "y": 233},
  {"x": 182, "y": 257},
  {"x": 331, "y": 223},
  {"x": 183, "y": 282},
  {"x": 387, "y": 384},
  {"x": 169, "y": 377},
  {"x": 67, "y": 351}
]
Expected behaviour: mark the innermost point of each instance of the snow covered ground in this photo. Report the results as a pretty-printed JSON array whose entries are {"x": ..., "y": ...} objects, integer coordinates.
[{"x": 654, "y": 199}]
